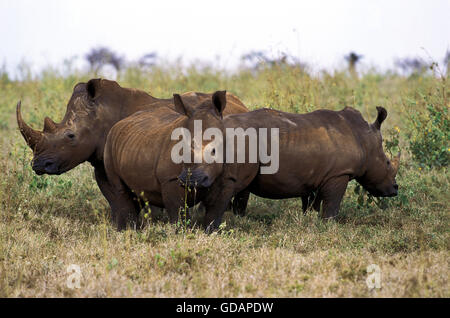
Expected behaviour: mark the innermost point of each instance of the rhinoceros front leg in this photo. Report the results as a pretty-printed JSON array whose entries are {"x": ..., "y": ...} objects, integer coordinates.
[
  {"x": 214, "y": 214},
  {"x": 173, "y": 195},
  {"x": 216, "y": 203},
  {"x": 124, "y": 205},
  {"x": 102, "y": 182},
  {"x": 124, "y": 211},
  {"x": 331, "y": 195},
  {"x": 240, "y": 202}
]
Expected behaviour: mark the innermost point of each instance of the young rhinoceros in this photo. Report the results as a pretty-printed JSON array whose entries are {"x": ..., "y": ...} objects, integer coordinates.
[
  {"x": 139, "y": 158},
  {"x": 318, "y": 152}
]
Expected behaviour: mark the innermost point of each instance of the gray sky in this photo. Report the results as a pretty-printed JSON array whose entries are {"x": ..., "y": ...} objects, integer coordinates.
[{"x": 319, "y": 32}]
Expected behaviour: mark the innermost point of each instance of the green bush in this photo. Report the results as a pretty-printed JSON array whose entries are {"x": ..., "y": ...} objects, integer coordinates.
[{"x": 429, "y": 139}]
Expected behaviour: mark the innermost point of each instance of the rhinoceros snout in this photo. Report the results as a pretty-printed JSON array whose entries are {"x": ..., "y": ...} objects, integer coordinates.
[
  {"x": 47, "y": 166},
  {"x": 196, "y": 178},
  {"x": 393, "y": 192}
]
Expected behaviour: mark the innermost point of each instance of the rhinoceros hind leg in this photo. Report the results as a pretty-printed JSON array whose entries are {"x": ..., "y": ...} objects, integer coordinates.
[{"x": 311, "y": 200}]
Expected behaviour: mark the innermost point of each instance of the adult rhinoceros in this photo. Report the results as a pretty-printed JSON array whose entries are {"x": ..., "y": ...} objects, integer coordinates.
[
  {"x": 318, "y": 152},
  {"x": 93, "y": 109}
]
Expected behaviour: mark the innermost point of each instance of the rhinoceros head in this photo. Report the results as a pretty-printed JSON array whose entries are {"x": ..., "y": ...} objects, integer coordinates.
[
  {"x": 379, "y": 177},
  {"x": 62, "y": 146},
  {"x": 207, "y": 150}
]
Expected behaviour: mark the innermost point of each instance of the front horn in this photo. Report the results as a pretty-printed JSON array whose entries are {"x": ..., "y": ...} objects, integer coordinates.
[{"x": 32, "y": 137}]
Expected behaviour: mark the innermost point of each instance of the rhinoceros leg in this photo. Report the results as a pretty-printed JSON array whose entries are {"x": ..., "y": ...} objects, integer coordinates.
[
  {"x": 102, "y": 182},
  {"x": 124, "y": 206},
  {"x": 173, "y": 199},
  {"x": 317, "y": 202},
  {"x": 240, "y": 202},
  {"x": 331, "y": 194},
  {"x": 214, "y": 214},
  {"x": 124, "y": 210},
  {"x": 311, "y": 200},
  {"x": 305, "y": 203},
  {"x": 216, "y": 204}
]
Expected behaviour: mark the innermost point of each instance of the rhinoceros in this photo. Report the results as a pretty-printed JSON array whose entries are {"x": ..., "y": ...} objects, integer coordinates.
[
  {"x": 138, "y": 159},
  {"x": 319, "y": 152},
  {"x": 92, "y": 110}
]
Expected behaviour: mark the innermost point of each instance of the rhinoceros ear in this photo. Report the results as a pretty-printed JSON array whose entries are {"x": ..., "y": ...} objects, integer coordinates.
[
  {"x": 382, "y": 114},
  {"x": 93, "y": 87},
  {"x": 80, "y": 87},
  {"x": 220, "y": 101},
  {"x": 181, "y": 107}
]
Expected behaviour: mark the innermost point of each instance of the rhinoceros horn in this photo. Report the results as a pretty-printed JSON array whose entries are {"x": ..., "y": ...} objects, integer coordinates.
[
  {"x": 49, "y": 125},
  {"x": 396, "y": 163},
  {"x": 32, "y": 137}
]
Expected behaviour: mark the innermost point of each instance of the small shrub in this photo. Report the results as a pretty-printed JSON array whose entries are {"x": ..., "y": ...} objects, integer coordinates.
[{"x": 430, "y": 136}]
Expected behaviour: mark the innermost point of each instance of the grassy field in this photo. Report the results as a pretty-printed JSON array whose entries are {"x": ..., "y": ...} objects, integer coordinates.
[{"x": 50, "y": 222}]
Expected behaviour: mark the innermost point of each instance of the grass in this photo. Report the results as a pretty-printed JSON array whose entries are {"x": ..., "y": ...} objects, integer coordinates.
[{"x": 50, "y": 222}]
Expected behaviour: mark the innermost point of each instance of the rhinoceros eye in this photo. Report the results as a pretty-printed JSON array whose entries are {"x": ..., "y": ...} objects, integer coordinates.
[{"x": 70, "y": 135}]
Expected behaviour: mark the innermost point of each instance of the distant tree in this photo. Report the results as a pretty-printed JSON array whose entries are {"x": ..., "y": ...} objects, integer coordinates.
[
  {"x": 447, "y": 62},
  {"x": 411, "y": 65},
  {"x": 353, "y": 59},
  {"x": 148, "y": 60},
  {"x": 258, "y": 59},
  {"x": 255, "y": 58},
  {"x": 101, "y": 56}
]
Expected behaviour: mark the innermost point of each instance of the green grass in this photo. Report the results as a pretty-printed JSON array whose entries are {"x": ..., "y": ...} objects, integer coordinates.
[{"x": 50, "y": 222}]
